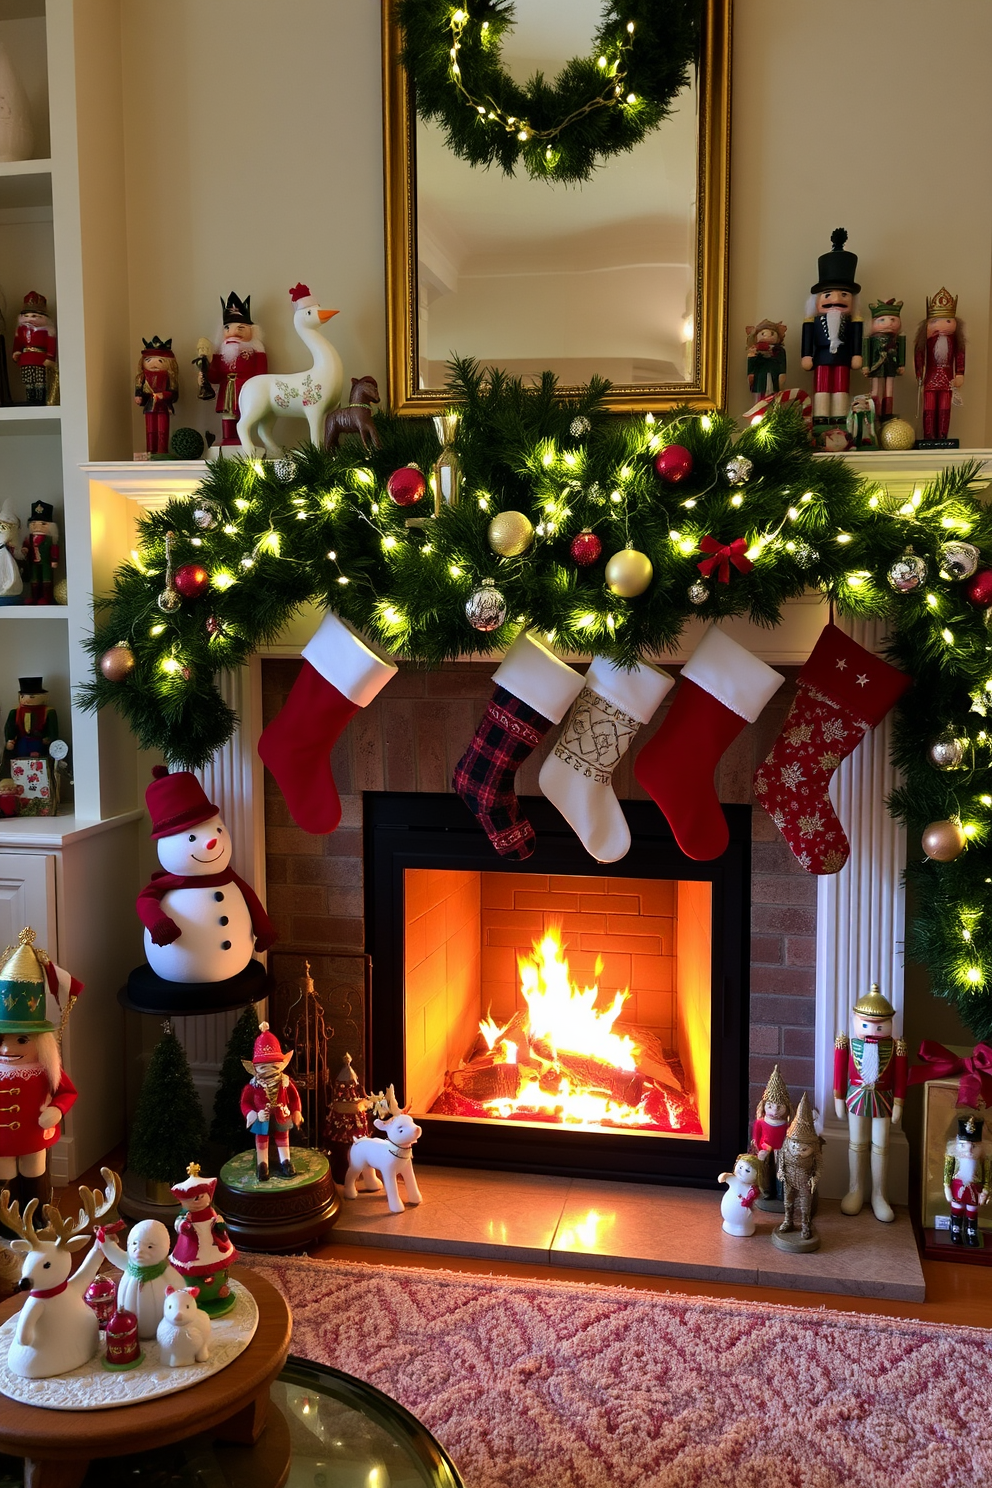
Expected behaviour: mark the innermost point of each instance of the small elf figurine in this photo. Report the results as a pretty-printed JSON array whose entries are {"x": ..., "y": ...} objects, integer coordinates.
[
  {"x": 766, "y": 359},
  {"x": 35, "y": 1091},
  {"x": 204, "y": 1251},
  {"x": 35, "y": 347},
  {"x": 40, "y": 553},
  {"x": 798, "y": 1165},
  {"x": 967, "y": 1180},
  {"x": 832, "y": 332},
  {"x": 938, "y": 358},
  {"x": 347, "y": 1118},
  {"x": 11, "y": 583},
  {"x": 771, "y": 1120},
  {"x": 32, "y": 725},
  {"x": 870, "y": 1087},
  {"x": 885, "y": 354},
  {"x": 239, "y": 354},
  {"x": 156, "y": 388},
  {"x": 270, "y": 1102}
]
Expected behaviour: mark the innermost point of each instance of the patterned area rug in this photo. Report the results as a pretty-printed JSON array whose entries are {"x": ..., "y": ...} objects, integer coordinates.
[{"x": 542, "y": 1384}]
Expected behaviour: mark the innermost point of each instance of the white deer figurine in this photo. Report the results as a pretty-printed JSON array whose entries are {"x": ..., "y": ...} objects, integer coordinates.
[
  {"x": 56, "y": 1331},
  {"x": 391, "y": 1155},
  {"x": 310, "y": 395}
]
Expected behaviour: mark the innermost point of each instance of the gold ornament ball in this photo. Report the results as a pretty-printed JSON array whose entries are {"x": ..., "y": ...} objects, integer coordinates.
[
  {"x": 510, "y": 534},
  {"x": 60, "y": 593},
  {"x": 629, "y": 573},
  {"x": 944, "y": 841},
  {"x": 117, "y": 663},
  {"x": 896, "y": 434}
]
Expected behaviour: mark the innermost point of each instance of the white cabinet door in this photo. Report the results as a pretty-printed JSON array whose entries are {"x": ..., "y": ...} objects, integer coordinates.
[{"x": 27, "y": 897}]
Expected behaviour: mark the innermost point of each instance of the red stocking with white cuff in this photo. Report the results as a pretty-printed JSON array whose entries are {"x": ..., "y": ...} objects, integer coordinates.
[
  {"x": 723, "y": 689},
  {"x": 842, "y": 692},
  {"x": 339, "y": 675}
]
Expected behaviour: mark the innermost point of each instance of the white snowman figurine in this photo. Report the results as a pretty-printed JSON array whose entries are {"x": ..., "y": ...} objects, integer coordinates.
[
  {"x": 147, "y": 1273},
  {"x": 202, "y": 922},
  {"x": 743, "y": 1187}
]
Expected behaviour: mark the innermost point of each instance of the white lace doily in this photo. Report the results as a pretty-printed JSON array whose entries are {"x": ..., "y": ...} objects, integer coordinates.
[{"x": 91, "y": 1387}]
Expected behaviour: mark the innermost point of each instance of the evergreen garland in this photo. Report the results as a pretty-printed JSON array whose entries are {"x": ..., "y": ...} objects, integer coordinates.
[
  {"x": 598, "y": 106},
  {"x": 168, "y": 1131},
  {"x": 228, "y": 1128}
]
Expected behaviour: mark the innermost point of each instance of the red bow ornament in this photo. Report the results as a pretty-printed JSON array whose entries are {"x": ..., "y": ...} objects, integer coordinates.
[
  {"x": 722, "y": 556},
  {"x": 975, "y": 1072}
]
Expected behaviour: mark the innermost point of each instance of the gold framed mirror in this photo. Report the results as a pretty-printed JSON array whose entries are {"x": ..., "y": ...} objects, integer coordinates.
[{"x": 624, "y": 276}]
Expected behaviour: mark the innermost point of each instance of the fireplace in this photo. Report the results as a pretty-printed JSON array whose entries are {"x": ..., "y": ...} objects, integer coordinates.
[{"x": 558, "y": 1015}]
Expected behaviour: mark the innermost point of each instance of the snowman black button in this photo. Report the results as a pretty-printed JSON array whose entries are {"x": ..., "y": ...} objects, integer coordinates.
[
  {"x": 225, "y": 945},
  {"x": 218, "y": 896},
  {"x": 224, "y": 920}
]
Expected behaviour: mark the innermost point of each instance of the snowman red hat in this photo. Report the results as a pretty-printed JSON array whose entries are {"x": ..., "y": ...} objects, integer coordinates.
[{"x": 176, "y": 802}]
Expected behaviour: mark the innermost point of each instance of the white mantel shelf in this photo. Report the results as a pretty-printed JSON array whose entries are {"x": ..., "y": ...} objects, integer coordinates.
[
  {"x": 149, "y": 482},
  {"x": 903, "y": 470}
]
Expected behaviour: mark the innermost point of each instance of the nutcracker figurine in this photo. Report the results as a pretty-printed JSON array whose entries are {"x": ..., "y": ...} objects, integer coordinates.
[
  {"x": 766, "y": 359},
  {"x": 967, "y": 1180},
  {"x": 204, "y": 1251},
  {"x": 156, "y": 388},
  {"x": 32, "y": 725},
  {"x": 798, "y": 1164},
  {"x": 270, "y": 1103},
  {"x": 832, "y": 332},
  {"x": 885, "y": 354},
  {"x": 35, "y": 347},
  {"x": 40, "y": 554},
  {"x": 239, "y": 354},
  {"x": 772, "y": 1117},
  {"x": 347, "y": 1119},
  {"x": 939, "y": 361},
  {"x": 870, "y": 1087}
]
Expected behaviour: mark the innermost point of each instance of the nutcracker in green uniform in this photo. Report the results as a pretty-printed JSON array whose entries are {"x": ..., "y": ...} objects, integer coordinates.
[
  {"x": 870, "y": 1071},
  {"x": 884, "y": 354}
]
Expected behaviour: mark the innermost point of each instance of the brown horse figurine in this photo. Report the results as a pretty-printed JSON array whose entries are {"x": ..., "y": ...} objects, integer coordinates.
[{"x": 356, "y": 418}]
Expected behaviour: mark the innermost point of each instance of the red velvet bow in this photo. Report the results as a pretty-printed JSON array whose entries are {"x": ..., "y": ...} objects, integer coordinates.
[
  {"x": 724, "y": 554},
  {"x": 940, "y": 1064}
]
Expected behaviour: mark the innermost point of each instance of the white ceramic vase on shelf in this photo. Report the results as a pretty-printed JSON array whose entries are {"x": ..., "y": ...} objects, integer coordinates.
[{"x": 16, "y": 129}]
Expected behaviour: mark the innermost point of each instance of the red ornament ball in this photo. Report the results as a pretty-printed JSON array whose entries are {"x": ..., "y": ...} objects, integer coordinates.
[
  {"x": 585, "y": 548},
  {"x": 192, "y": 580},
  {"x": 673, "y": 464},
  {"x": 979, "y": 588},
  {"x": 407, "y": 486}
]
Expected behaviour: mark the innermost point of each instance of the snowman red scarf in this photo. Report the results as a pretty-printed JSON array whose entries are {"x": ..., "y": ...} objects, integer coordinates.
[{"x": 164, "y": 930}]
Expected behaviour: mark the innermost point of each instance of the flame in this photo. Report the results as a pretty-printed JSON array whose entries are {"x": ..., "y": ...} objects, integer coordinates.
[
  {"x": 491, "y": 1031},
  {"x": 566, "y": 1018}
]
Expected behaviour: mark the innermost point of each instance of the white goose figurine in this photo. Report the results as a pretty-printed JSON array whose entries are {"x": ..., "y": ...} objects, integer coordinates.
[{"x": 310, "y": 395}]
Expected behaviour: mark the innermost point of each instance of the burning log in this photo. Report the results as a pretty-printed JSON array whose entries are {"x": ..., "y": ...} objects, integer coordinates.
[
  {"x": 583, "y": 1072},
  {"x": 486, "y": 1082}
]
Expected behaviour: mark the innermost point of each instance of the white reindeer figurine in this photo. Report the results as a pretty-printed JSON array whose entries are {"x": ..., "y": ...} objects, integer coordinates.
[
  {"x": 310, "y": 395},
  {"x": 391, "y": 1155},
  {"x": 56, "y": 1331}
]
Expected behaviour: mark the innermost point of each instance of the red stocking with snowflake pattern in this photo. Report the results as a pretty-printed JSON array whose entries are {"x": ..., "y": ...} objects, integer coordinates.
[{"x": 842, "y": 692}]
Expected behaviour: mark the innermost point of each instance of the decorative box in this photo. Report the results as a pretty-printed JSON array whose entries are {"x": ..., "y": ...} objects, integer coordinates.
[
  {"x": 940, "y": 1113},
  {"x": 32, "y": 778}
]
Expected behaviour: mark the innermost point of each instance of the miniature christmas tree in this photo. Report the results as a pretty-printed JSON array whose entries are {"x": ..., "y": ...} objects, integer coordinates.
[
  {"x": 228, "y": 1126},
  {"x": 168, "y": 1130}
]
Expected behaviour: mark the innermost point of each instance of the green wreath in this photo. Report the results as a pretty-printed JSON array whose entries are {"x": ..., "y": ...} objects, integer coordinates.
[{"x": 596, "y": 107}]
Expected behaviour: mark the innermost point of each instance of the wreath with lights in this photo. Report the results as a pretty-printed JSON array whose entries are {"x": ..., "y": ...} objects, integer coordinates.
[
  {"x": 597, "y": 106},
  {"x": 606, "y": 534}
]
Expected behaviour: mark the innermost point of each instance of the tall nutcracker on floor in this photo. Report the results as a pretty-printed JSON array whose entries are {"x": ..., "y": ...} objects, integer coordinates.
[
  {"x": 832, "y": 333},
  {"x": 870, "y": 1072},
  {"x": 270, "y": 1103},
  {"x": 938, "y": 358}
]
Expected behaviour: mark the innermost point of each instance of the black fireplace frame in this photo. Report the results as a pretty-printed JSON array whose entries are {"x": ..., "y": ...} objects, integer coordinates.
[{"x": 409, "y": 830}]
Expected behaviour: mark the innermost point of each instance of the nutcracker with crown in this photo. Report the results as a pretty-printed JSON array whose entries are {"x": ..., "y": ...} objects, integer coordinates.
[
  {"x": 870, "y": 1069},
  {"x": 832, "y": 334},
  {"x": 35, "y": 349},
  {"x": 885, "y": 354},
  {"x": 204, "y": 1251},
  {"x": 938, "y": 358},
  {"x": 203, "y": 923},
  {"x": 40, "y": 555},
  {"x": 239, "y": 353}
]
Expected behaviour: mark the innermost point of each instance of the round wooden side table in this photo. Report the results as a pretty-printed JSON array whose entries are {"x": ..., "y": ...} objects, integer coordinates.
[{"x": 57, "y": 1445}]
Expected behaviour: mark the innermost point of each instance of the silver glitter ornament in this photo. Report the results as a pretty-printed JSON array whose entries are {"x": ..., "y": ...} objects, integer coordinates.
[
  {"x": 738, "y": 470},
  {"x": 485, "y": 608},
  {"x": 169, "y": 601},
  {"x": 948, "y": 751},
  {"x": 958, "y": 560},
  {"x": 804, "y": 555},
  {"x": 284, "y": 469},
  {"x": 580, "y": 425},
  {"x": 698, "y": 593},
  {"x": 908, "y": 572},
  {"x": 205, "y": 514}
]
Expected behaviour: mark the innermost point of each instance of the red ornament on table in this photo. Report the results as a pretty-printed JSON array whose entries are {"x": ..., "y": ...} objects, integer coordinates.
[
  {"x": 192, "y": 580},
  {"x": 407, "y": 486},
  {"x": 585, "y": 548},
  {"x": 979, "y": 589},
  {"x": 101, "y": 1296},
  {"x": 123, "y": 1348},
  {"x": 673, "y": 464}
]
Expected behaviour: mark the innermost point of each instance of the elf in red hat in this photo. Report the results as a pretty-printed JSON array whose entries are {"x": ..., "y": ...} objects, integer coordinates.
[{"x": 270, "y": 1103}]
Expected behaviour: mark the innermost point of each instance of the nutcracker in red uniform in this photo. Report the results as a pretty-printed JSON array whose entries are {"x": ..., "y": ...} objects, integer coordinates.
[
  {"x": 967, "y": 1179},
  {"x": 832, "y": 332},
  {"x": 35, "y": 1091},
  {"x": 35, "y": 347},
  {"x": 204, "y": 1251},
  {"x": 869, "y": 1087},
  {"x": 156, "y": 388},
  {"x": 270, "y": 1103},
  {"x": 239, "y": 354},
  {"x": 771, "y": 1122},
  {"x": 939, "y": 361}
]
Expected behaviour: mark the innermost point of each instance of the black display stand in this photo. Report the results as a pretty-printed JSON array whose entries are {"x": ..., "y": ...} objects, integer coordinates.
[{"x": 147, "y": 992}]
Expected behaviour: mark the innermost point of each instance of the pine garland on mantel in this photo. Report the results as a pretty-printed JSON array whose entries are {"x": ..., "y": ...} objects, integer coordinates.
[{"x": 321, "y": 528}]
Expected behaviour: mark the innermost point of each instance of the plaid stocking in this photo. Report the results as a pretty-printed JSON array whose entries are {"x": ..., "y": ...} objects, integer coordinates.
[
  {"x": 512, "y": 727},
  {"x": 842, "y": 692}
]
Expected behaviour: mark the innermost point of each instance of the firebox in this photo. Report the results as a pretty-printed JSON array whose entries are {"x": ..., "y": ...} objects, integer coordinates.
[{"x": 559, "y": 1015}]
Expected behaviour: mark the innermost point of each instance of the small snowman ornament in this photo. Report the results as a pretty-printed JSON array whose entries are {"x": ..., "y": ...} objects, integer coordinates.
[
  {"x": 743, "y": 1187},
  {"x": 146, "y": 1271},
  {"x": 202, "y": 922}
]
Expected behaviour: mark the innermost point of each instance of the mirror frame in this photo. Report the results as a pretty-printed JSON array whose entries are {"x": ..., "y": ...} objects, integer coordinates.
[{"x": 712, "y": 231}]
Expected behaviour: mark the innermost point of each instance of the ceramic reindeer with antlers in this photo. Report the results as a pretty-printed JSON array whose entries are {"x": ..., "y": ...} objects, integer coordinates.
[
  {"x": 56, "y": 1331},
  {"x": 391, "y": 1155}
]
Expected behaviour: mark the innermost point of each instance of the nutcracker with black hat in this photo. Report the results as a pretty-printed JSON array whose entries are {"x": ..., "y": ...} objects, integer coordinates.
[
  {"x": 870, "y": 1075},
  {"x": 832, "y": 333},
  {"x": 270, "y": 1103},
  {"x": 204, "y": 1251},
  {"x": 967, "y": 1179},
  {"x": 203, "y": 923},
  {"x": 239, "y": 353},
  {"x": 41, "y": 555}
]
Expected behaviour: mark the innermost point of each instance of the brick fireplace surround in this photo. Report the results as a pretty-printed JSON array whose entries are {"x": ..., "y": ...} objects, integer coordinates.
[{"x": 410, "y": 739}]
